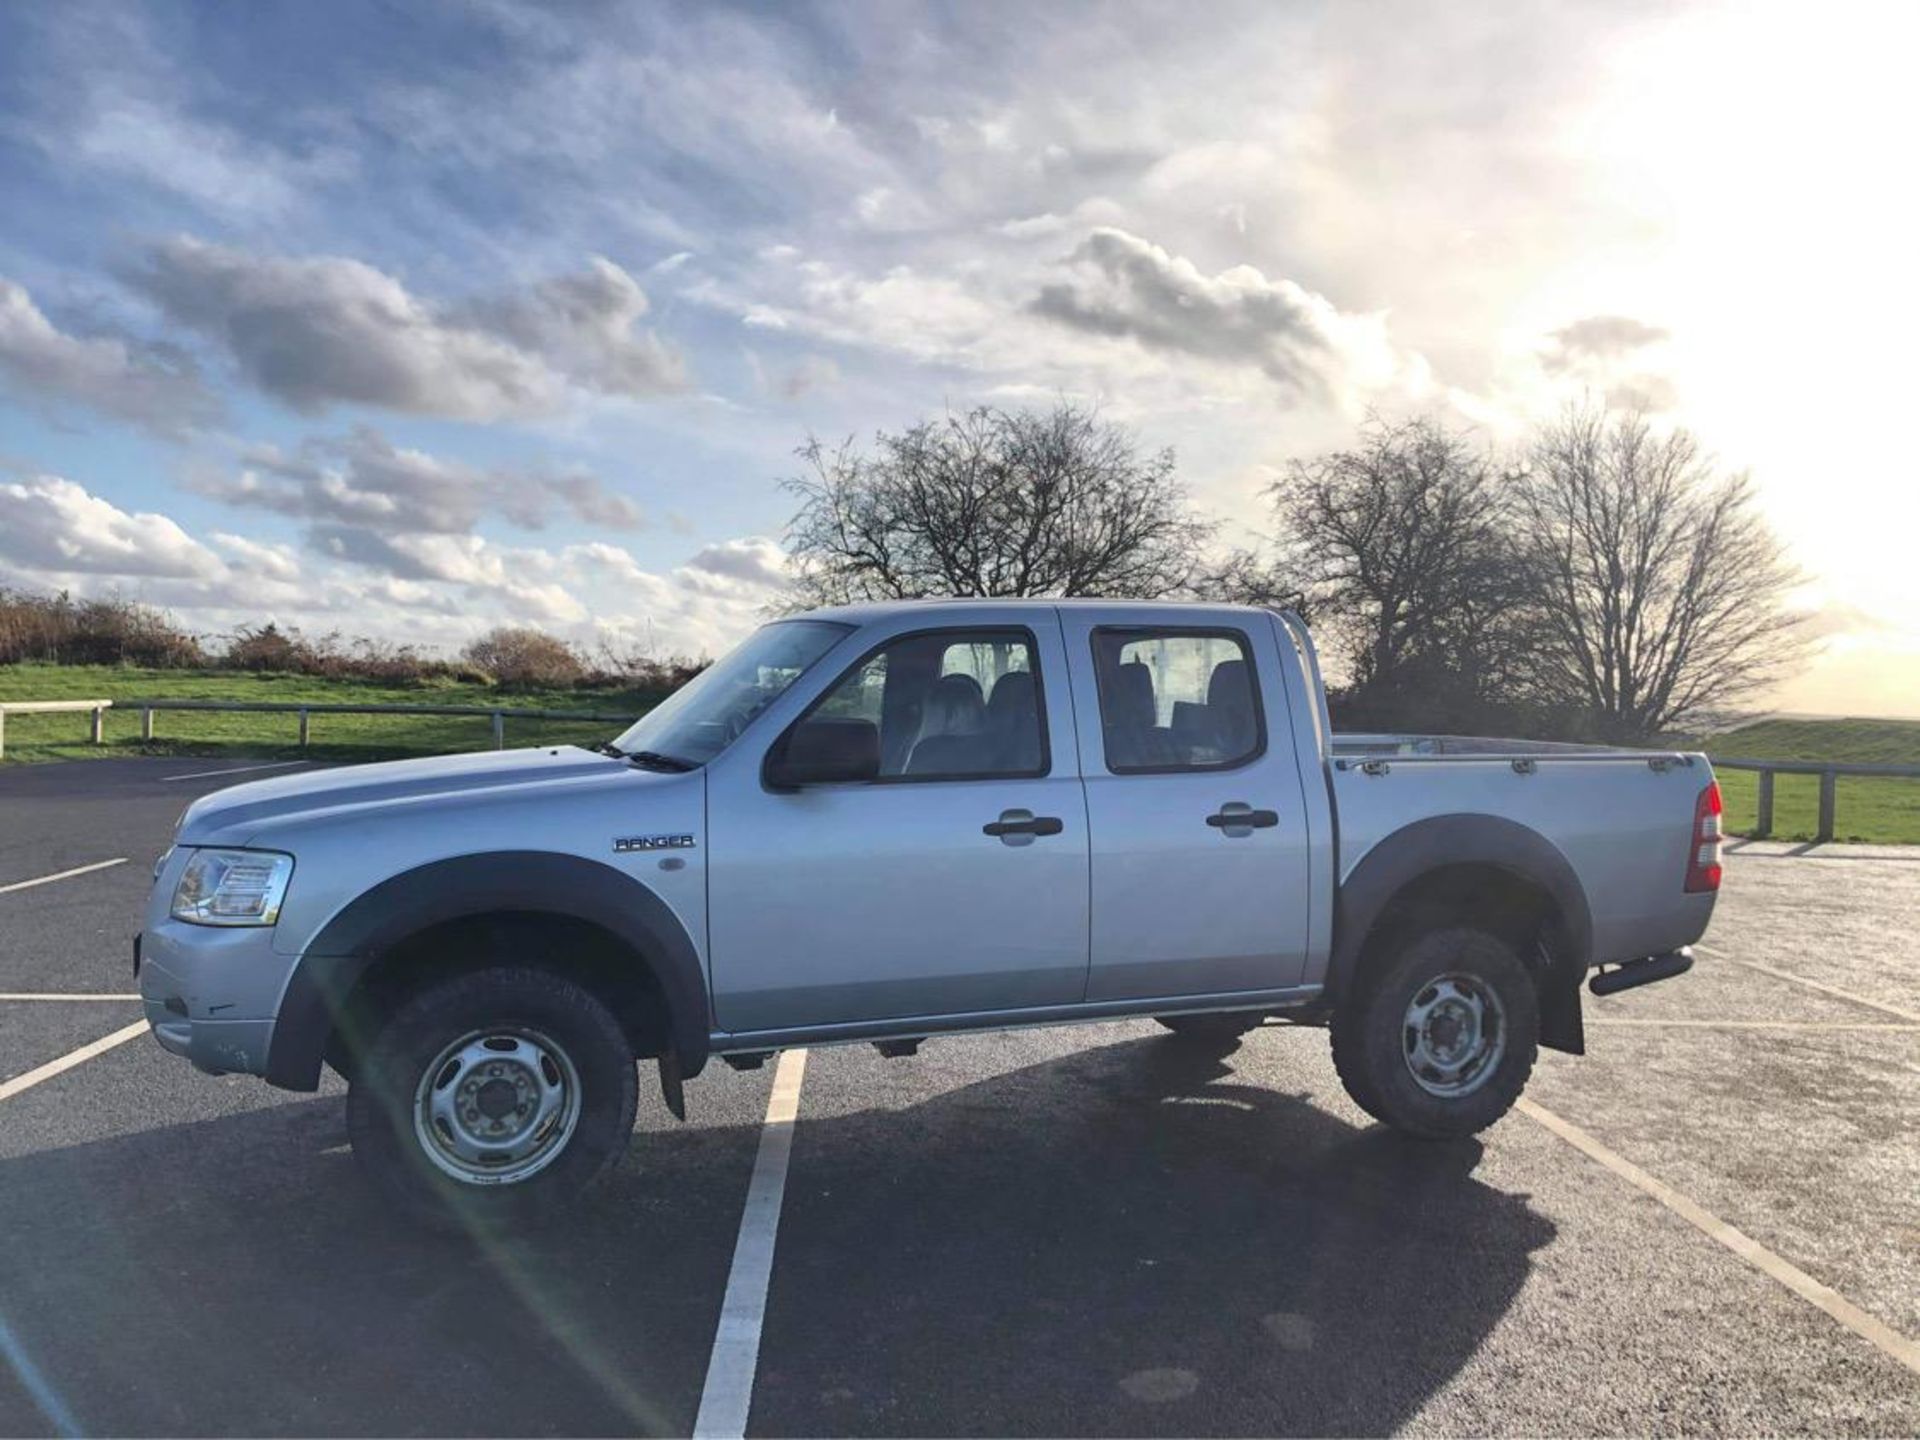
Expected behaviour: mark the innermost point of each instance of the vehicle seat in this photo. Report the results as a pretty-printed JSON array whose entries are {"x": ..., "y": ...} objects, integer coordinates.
[
  {"x": 1236, "y": 724},
  {"x": 1013, "y": 722},
  {"x": 1132, "y": 736},
  {"x": 952, "y": 725},
  {"x": 1192, "y": 726}
]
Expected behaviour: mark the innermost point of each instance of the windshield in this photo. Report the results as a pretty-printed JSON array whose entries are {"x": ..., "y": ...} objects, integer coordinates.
[{"x": 707, "y": 714}]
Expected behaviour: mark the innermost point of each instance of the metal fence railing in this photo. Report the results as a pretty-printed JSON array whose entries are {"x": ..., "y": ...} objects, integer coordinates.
[
  {"x": 1829, "y": 773},
  {"x": 98, "y": 708},
  {"x": 497, "y": 714}
]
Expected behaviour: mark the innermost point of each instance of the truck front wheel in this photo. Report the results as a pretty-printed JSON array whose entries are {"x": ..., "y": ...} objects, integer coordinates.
[
  {"x": 492, "y": 1097},
  {"x": 1440, "y": 1040}
]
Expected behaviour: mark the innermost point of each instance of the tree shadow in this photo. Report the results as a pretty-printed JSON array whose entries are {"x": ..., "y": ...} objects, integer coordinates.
[{"x": 1120, "y": 1240}]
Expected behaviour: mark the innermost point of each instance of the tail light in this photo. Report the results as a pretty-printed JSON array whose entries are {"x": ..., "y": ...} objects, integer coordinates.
[{"x": 1703, "y": 853}]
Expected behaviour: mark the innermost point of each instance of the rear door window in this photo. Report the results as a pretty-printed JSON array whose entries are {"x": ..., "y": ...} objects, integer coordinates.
[{"x": 1177, "y": 700}]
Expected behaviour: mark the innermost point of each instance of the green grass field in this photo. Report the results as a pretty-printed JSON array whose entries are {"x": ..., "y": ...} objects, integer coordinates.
[
  {"x": 1883, "y": 811},
  {"x": 333, "y": 737}
]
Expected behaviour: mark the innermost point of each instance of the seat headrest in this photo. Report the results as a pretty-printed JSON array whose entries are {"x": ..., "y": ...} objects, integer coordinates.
[
  {"x": 1133, "y": 701},
  {"x": 1228, "y": 684},
  {"x": 953, "y": 707},
  {"x": 1230, "y": 702},
  {"x": 1013, "y": 696}
]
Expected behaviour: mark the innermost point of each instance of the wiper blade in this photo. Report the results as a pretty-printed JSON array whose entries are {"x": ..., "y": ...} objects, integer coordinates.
[
  {"x": 653, "y": 759},
  {"x": 607, "y": 747}
]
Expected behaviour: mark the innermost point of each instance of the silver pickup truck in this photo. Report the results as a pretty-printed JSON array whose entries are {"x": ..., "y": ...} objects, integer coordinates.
[{"x": 886, "y": 822}]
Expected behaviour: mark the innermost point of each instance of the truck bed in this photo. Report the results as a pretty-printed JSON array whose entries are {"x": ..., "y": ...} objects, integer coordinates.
[
  {"x": 1623, "y": 818},
  {"x": 1481, "y": 747}
]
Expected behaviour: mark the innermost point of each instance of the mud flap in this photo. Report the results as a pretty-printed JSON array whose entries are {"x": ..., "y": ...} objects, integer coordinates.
[
  {"x": 675, "y": 1094},
  {"x": 1562, "y": 1025}
]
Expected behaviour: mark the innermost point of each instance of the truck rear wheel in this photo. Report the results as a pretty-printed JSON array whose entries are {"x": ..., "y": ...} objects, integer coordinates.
[
  {"x": 1439, "y": 1042},
  {"x": 492, "y": 1098}
]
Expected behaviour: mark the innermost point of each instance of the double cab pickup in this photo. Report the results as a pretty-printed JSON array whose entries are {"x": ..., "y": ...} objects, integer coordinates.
[{"x": 880, "y": 823}]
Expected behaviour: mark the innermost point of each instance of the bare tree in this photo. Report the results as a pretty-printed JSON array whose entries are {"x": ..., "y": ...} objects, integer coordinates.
[
  {"x": 993, "y": 502},
  {"x": 1658, "y": 584},
  {"x": 1247, "y": 575},
  {"x": 1409, "y": 566}
]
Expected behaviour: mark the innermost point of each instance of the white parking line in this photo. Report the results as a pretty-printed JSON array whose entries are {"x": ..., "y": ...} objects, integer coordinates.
[
  {"x": 728, "y": 1393},
  {"x": 72, "y": 1058},
  {"x": 62, "y": 875},
  {"x": 236, "y": 770},
  {"x": 1867, "y": 1327},
  {"x": 1897, "y": 1014},
  {"x": 1761, "y": 1024},
  {"x": 38, "y": 995}
]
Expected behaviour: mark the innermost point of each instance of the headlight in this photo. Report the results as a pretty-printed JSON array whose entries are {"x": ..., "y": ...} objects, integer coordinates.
[{"x": 232, "y": 887}]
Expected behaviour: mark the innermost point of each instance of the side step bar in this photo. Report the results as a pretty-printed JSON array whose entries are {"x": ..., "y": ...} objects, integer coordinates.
[{"x": 1641, "y": 972}]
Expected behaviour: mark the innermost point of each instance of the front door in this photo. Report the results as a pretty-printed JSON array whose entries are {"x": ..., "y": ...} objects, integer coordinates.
[
  {"x": 1200, "y": 863},
  {"x": 953, "y": 882}
]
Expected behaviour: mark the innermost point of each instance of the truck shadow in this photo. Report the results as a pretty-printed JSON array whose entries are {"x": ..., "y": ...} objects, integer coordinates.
[
  {"x": 1129, "y": 1240},
  {"x": 1119, "y": 1240}
]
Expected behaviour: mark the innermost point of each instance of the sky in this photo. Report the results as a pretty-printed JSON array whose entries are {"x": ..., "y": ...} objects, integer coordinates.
[{"x": 408, "y": 321}]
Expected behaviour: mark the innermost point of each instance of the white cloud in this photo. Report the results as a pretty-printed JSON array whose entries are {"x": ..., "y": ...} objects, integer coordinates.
[
  {"x": 150, "y": 385},
  {"x": 699, "y": 608},
  {"x": 810, "y": 375},
  {"x": 325, "y": 330},
  {"x": 102, "y": 96},
  {"x": 586, "y": 591},
  {"x": 754, "y": 561},
  {"x": 1034, "y": 227},
  {"x": 1608, "y": 354},
  {"x": 364, "y": 479},
  {"x": 258, "y": 557},
  {"x": 1124, "y": 287},
  {"x": 929, "y": 317},
  {"x": 433, "y": 590},
  {"x": 50, "y": 523},
  {"x": 1606, "y": 337},
  {"x": 584, "y": 325},
  {"x": 213, "y": 165}
]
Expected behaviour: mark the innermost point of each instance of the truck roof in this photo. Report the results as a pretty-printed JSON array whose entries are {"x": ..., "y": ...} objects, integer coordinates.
[{"x": 868, "y": 610}]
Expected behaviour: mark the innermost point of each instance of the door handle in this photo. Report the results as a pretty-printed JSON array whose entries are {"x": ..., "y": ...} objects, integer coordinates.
[
  {"x": 1237, "y": 815},
  {"x": 1022, "y": 822}
]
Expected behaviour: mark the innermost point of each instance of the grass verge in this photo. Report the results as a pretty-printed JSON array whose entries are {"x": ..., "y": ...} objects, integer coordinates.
[
  {"x": 1881, "y": 811},
  {"x": 64, "y": 735}
]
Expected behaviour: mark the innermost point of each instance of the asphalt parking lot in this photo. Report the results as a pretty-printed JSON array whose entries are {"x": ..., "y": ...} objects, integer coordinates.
[{"x": 1092, "y": 1230}]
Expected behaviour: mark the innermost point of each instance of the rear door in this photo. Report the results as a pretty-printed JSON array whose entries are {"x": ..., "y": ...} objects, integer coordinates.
[{"x": 1200, "y": 868}]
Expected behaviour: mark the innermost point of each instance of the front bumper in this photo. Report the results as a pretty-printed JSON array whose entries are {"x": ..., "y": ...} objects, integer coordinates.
[{"x": 210, "y": 994}]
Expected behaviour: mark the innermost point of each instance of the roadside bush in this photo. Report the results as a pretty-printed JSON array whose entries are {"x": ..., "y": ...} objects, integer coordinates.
[
  {"x": 59, "y": 630},
  {"x": 112, "y": 630},
  {"x": 518, "y": 656},
  {"x": 614, "y": 668},
  {"x": 400, "y": 664},
  {"x": 267, "y": 647}
]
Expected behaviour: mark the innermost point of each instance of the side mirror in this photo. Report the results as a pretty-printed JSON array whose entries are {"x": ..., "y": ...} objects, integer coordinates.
[{"x": 824, "y": 751}]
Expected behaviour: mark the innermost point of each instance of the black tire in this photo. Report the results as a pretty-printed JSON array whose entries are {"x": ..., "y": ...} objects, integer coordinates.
[
  {"x": 1220, "y": 1028},
  {"x": 1372, "y": 1040},
  {"x": 567, "y": 1035}
]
